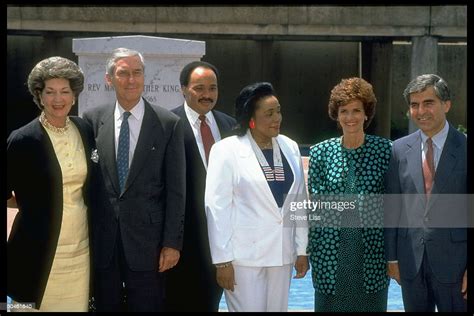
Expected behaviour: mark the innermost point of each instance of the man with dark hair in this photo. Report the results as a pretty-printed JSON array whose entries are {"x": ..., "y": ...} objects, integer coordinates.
[
  {"x": 192, "y": 285},
  {"x": 426, "y": 235}
]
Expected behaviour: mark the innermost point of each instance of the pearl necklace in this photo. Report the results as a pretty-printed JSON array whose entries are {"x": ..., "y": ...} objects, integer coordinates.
[{"x": 51, "y": 127}]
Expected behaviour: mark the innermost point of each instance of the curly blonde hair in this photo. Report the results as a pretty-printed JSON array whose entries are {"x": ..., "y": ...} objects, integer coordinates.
[{"x": 349, "y": 90}]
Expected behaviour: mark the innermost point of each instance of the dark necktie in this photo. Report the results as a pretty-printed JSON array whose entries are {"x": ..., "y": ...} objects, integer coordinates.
[
  {"x": 123, "y": 151},
  {"x": 207, "y": 138},
  {"x": 428, "y": 167}
]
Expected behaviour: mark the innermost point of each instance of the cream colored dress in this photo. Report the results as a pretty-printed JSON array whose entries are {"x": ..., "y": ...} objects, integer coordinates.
[{"x": 67, "y": 288}]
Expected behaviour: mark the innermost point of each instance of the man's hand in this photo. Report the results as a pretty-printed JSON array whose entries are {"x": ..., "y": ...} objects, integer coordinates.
[
  {"x": 169, "y": 257},
  {"x": 464, "y": 285},
  {"x": 225, "y": 277},
  {"x": 393, "y": 271},
  {"x": 301, "y": 267}
]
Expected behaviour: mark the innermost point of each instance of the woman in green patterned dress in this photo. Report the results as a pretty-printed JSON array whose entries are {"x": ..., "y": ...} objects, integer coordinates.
[{"x": 346, "y": 244}]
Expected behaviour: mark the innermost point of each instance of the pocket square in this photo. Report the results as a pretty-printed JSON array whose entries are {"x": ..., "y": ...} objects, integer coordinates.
[{"x": 95, "y": 156}]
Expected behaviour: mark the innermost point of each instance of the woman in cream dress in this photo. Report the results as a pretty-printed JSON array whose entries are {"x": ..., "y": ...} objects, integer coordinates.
[{"x": 48, "y": 181}]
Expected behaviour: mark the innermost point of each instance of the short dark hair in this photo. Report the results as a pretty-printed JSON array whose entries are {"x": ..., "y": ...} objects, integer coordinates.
[
  {"x": 422, "y": 82},
  {"x": 246, "y": 101},
  {"x": 189, "y": 68},
  {"x": 349, "y": 90}
]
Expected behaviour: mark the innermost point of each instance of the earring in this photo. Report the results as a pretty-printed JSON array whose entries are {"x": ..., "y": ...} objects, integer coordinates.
[
  {"x": 366, "y": 118},
  {"x": 73, "y": 102},
  {"x": 252, "y": 124}
]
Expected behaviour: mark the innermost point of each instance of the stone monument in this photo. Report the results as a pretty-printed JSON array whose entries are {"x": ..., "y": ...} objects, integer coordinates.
[{"x": 164, "y": 59}]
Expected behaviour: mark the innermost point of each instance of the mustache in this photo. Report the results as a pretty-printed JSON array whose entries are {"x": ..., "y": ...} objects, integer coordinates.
[{"x": 206, "y": 100}]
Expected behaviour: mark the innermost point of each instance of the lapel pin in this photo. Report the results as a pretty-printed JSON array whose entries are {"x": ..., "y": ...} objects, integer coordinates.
[{"x": 95, "y": 156}]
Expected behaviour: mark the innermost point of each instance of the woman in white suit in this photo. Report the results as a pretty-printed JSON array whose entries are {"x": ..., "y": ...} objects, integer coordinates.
[{"x": 253, "y": 181}]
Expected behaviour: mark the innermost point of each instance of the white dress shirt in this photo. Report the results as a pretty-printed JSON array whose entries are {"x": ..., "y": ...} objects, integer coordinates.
[
  {"x": 195, "y": 122},
  {"x": 135, "y": 121}
]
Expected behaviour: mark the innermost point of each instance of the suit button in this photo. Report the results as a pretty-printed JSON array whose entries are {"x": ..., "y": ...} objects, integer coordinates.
[
  {"x": 426, "y": 219},
  {"x": 422, "y": 240}
]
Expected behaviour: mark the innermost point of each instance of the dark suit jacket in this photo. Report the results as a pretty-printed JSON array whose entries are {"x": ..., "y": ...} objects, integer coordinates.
[
  {"x": 419, "y": 221},
  {"x": 194, "y": 278},
  {"x": 150, "y": 211},
  {"x": 34, "y": 174}
]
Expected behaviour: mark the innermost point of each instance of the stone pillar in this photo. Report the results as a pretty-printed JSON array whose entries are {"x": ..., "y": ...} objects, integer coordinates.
[
  {"x": 381, "y": 80},
  {"x": 424, "y": 60},
  {"x": 164, "y": 59},
  {"x": 376, "y": 64}
]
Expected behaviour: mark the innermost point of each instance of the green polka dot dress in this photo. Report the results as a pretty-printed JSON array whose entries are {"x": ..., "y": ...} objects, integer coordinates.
[{"x": 346, "y": 246}]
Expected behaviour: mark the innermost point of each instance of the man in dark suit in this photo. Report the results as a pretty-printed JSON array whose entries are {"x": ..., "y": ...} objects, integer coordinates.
[
  {"x": 192, "y": 285},
  {"x": 426, "y": 214},
  {"x": 139, "y": 208}
]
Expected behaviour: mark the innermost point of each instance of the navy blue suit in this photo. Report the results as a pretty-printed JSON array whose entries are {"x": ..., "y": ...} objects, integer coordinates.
[
  {"x": 430, "y": 247},
  {"x": 131, "y": 227}
]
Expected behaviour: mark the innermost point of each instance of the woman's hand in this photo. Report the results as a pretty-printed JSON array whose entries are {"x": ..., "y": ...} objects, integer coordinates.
[
  {"x": 301, "y": 267},
  {"x": 225, "y": 277}
]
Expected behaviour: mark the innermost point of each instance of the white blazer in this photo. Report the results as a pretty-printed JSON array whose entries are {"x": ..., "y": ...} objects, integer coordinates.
[{"x": 245, "y": 224}]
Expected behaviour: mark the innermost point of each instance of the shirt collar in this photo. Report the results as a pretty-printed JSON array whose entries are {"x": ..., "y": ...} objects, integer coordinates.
[
  {"x": 193, "y": 116},
  {"x": 137, "y": 111},
  {"x": 440, "y": 138}
]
